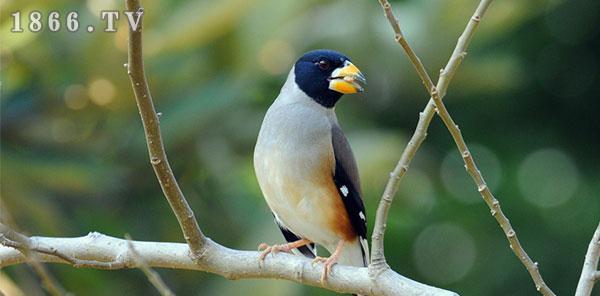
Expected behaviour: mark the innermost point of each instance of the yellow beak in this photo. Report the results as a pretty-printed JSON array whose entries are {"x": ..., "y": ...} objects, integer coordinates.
[{"x": 346, "y": 79}]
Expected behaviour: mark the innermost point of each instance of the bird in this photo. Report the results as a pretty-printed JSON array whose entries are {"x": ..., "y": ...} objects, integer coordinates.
[{"x": 305, "y": 166}]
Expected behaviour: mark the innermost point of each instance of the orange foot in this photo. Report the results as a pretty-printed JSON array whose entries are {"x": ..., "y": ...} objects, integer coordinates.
[
  {"x": 329, "y": 262},
  {"x": 266, "y": 249}
]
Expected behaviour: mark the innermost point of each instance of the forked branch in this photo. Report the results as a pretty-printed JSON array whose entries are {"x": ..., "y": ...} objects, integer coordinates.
[
  {"x": 425, "y": 117},
  {"x": 436, "y": 96},
  {"x": 105, "y": 252}
]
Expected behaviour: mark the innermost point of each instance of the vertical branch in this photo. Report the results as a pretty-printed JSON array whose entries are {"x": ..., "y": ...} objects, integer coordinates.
[
  {"x": 158, "y": 157},
  {"x": 590, "y": 273},
  {"x": 446, "y": 75},
  {"x": 425, "y": 117}
]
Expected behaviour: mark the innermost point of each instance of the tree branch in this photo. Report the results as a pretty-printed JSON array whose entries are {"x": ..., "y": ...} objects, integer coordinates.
[
  {"x": 491, "y": 201},
  {"x": 158, "y": 157},
  {"x": 24, "y": 246},
  {"x": 153, "y": 276},
  {"x": 378, "y": 261},
  {"x": 99, "y": 251},
  {"x": 114, "y": 253},
  {"x": 470, "y": 165},
  {"x": 15, "y": 240},
  {"x": 590, "y": 273}
]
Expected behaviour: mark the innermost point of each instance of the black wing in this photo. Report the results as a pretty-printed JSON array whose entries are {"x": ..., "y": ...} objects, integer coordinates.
[
  {"x": 348, "y": 184},
  {"x": 309, "y": 251}
]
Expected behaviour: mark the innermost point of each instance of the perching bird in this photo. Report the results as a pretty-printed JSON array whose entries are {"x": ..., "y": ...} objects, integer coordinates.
[{"x": 305, "y": 166}]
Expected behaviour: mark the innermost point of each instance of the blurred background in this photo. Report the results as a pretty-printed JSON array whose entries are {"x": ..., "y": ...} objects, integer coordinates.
[{"x": 74, "y": 159}]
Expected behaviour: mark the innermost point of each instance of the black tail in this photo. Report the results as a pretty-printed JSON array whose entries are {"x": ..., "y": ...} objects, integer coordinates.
[{"x": 309, "y": 251}]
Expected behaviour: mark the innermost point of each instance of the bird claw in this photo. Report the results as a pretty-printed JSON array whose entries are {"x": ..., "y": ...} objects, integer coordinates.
[
  {"x": 328, "y": 263},
  {"x": 274, "y": 249},
  {"x": 262, "y": 247}
]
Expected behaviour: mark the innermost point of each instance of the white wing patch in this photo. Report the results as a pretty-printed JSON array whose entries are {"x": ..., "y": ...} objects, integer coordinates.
[
  {"x": 362, "y": 216},
  {"x": 344, "y": 190}
]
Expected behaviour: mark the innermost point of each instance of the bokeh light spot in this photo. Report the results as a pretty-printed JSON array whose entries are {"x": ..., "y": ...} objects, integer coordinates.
[
  {"x": 101, "y": 91},
  {"x": 548, "y": 178},
  {"x": 121, "y": 37},
  {"x": 75, "y": 97},
  {"x": 458, "y": 181},
  {"x": 417, "y": 192},
  {"x": 95, "y": 6},
  {"x": 444, "y": 253},
  {"x": 63, "y": 130}
]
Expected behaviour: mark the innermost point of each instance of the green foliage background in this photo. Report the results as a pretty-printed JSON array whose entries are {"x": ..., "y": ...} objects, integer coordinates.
[{"x": 73, "y": 156}]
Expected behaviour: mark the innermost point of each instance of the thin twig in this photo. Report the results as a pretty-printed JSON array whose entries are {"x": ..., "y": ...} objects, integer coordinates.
[
  {"x": 590, "y": 273},
  {"x": 152, "y": 275},
  {"x": 23, "y": 244},
  {"x": 378, "y": 262},
  {"x": 158, "y": 157},
  {"x": 491, "y": 201},
  {"x": 486, "y": 194},
  {"x": 399, "y": 36}
]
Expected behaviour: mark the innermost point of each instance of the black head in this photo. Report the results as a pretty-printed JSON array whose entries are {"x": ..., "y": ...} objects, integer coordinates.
[{"x": 326, "y": 75}]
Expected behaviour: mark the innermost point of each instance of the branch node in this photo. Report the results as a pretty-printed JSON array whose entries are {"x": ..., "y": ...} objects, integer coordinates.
[
  {"x": 403, "y": 169},
  {"x": 465, "y": 153},
  {"x": 511, "y": 233},
  {"x": 155, "y": 161},
  {"x": 93, "y": 235},
  {"x": 387, "y": 198},
  {"x": 482, "y": 188},
  {"x": 476, "y": 18},
  {"x": 378, "y": 266}
]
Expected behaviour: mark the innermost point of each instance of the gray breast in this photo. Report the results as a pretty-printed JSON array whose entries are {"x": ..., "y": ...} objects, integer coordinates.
[{"x": 292, "y": 157}]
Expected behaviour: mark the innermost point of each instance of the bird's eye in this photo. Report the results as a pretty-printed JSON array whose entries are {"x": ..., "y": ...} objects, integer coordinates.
[{"x": 323, "y": 64}]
